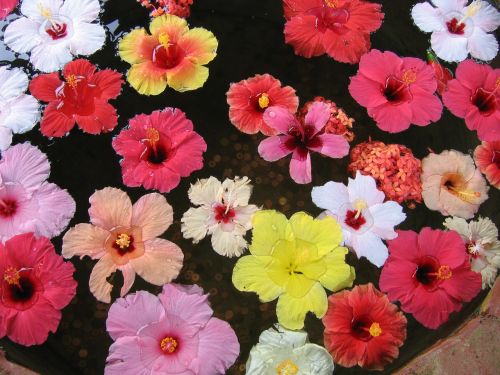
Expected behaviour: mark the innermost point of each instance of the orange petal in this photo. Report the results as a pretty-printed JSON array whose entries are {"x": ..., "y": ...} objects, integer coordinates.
[
  {"x": 147, "y": 78},
  {"x": 200, "y": 45},
  {"x": 137, "y": 46},
  {"x": 169, "y": 24},
  {"x": 187, "y": 76}
]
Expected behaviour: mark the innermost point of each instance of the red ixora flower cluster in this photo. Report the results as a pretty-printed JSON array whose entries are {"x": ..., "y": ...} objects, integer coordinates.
[
  {"x": 394, "y": 167},
  {"x": 179, "y": 8}
]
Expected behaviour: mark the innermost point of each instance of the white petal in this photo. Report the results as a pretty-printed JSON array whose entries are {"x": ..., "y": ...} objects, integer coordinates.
[
  {"x": 87, "y": 38},
  {"x": 81, "y": 10},
  {"x": 371, "y": 247},
  {"x": 448, "y": 47},
  {"x": 487, "y": 17},
  {"x": 22, "y": 114},
  {"x": 483, "y": 230},
  {"x": 459, "y": 225},
  {"x": 427, "y": 18},
  {"x": 13, "y": 82},
  {"x": 22, "y": 35},
  {"x": 482, "y": 46},
  {"x": 281, "y": 337},
  {"x": 205, "y": 192},
  {"x": 244, "y": 216},
  {"x": 50, "y": 57},
  {"x": 331, "y": 196},
  {"x": 364, "y": 188},
  {"x": 195, "y": 223},
  {"x": 5, "y": 138},
  {"x": 450, "y": 5},
  {"x": 385, "y": 217},
  {"x": 489, "y": 275},
  {"x": 237, "y": 192},
  {"x": 33, "y": 8},
  {"x": 228, "y": 244},
  {"x": 313, "y": 359}
]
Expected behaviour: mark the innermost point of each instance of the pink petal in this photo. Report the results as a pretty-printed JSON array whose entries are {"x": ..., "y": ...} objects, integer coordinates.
[
  {"x": 426, "y": 107},
  {"x": 109, "y": 208},
  {"x": 318, "y": 115},
  {"x": 153, "y": 214},
  {"x": 464, "y": 284},
  {"x": 456, "y": 98},
  {"x": 366, "y": 92},
  {"x": 84, "y": 240},
  {"x": 280, "y": 119},
  {"x": 332, "y": 145},
  {"x": 128, "y": 278},
  {"x": 448, "y": 247},
  {"x": 274, "y": 148},
  {"x": 300, "y": 168},
  {"x": 392, "y": 118},
  {"x": 132, "y": 355},
  {"x": 396, "y": 280},
  {"x": 377, "y": 65},
  {"x": 98, "y": 285},
  {"x": 472, "y": 75}
]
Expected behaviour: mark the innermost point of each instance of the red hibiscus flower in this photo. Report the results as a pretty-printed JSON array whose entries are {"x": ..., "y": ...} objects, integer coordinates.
[
  {"x": 340, "y": 28},
  {"x": 363, "y": 328},
  {"x": 396, "y": 91},
  {"x": 6, "y": 7},
  {"x": 443, "y": 75},
  {"x": 82, "y": 97},
  {"x": 248, "y": 99},
  {"x": 487, "y": 158},
  {"x": 158, "y": 149},
  {"x": 429, "y": 274},
  {"x": 475, "y": 96}
]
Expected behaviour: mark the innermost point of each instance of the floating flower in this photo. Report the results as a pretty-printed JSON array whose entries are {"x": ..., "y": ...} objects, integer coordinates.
[
  {"x": 224, "y": 213},
  {"x": 18, "y": 112},
  {"x": 457, "y": 29},
  {"x": 36, "y": 284},
  {"x": 452, "y": 185},
  {"x": 487, "y": 158},
  {"x": 364, "y": 217},
  {"x": 339, "y": 28},
  {"x": 6, "y": 7},
  {"x": 173, "y": 55},
  {"x": 158, "y": 149},
  {"x": 173, "y": 333},
  {"x": 54, "y": 31},
  {"x": 301, "y": 137},
  {"x": 396, "y": 91},
  {"x": 180, "y": 8},
  {"x": 393, "y": 166},
  {"x": 475, "y": 96},
  {"x": 124, "y": 237},
  {"x": 363, "y": 328},
  {"x": 82, "y": 97},
  {"x": 442, "y": 74},
  {"x": 285, "y": 352},
  {"x": 294, "y": 261},
  {"x": 248, "y": 99},
  {"x": 481, "y": 244},
  {"x": 28, "y": 203}
]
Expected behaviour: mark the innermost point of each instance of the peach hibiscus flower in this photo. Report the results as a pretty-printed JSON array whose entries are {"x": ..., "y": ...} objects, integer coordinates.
[{"x": 124, "y": 237}]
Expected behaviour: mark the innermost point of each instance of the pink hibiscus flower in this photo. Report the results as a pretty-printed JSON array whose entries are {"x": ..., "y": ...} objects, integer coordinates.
[
  {"x": 300, "y": 138},
  {"x": 6, "y": 7},
  {"x": 487, "y": 158},
  {"x": 28, "y": 203},
  {"x": 124, "y": 237},
  {"x": 35, "y": 285},
  {"x": 173, "y": 333},
  {"x": 396, "y": 91},
  {"x": 158, "y": 149},
  {"x": 475, "y": 96}
]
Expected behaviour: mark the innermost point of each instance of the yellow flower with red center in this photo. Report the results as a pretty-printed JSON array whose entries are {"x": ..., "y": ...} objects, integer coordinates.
[{"x": 172, "y": 55}]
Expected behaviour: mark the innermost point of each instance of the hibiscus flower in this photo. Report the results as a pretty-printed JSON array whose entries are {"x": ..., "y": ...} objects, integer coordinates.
[
  {"x": 487, "y": 158},
  {"x": 6, "y": 7},
  {"x": 363, "y": 328},
  {"x": 340, "y": 28},
  {"x": 283, "y": 352},
  {"x": 248, "y": 99},
  {"x": 173, "y": 55},
  {"x": 224, "y": 213},
  {"x": 396, "y": 91},
  {"x": 82, "y": 97},
  {"x": 173, "y": 333},
  {"x": 459, "y": 29},
  {"x": 53, "y": 31},
  {"x": 475, "y": 96},
  {"x": 124, "y": 237},
  {"x": 301, "y": 137},
  {"x": 429, "y": 274},
  {"x": 158, "y": 149},
  {"x": 36, "y": 284},
  {"x": 365, "y": 218},
  {"x": 18, "y": 112},
  {"x": 28, "y": 203}
]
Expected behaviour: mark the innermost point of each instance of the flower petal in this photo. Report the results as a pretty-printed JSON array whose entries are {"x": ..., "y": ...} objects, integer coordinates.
[
  {"x": 300, "y": 168},
  {"x": 132, "y": 355},
  {"x": 136, "y": 46},
  {"x": 371, "y": 247},
  {"x": 24, "y": 113},
  {"x": 269, "y": 227},
  {"x": 302, "y": 34},
  {"x": 84, "y": 240},
  {"x": 199, "y": 45},
  {"x": 449, "y": 48},
  {"x": 147, "y": 79},
  {"x": 98, "y": 285},
  {"x": 482, "y": 46},
  {"x": 487, "y": 17},
  {"x": 109, "y": 82},
  {"x": 102, "y": 120},
  {"x": 331, "y": 196},
  {"x": 81, "y": 10},
  {"x": 22, "y": 35},
  {"x": 187, "y": 76},
  {"x": 50, "y": 57},
  {"x": 332, "y": 145},
  {"x": 33, "y": 8},
  {"x": 169, "y": 24},
  {"x": 364, "y": 188},
  {"x": 195, "y": 223},
  {"x": 13, "y": 82},
  {"x": 128, "y": 279},
  {"x": 317, "y": 115},
  {"x": 228, "y": 244},
  {"x": 5, "y": 138},
  {"x": 338, "y": 274},
  {"x": 280, "y": 119},
  {"x": 152, "y": 214},
  {"x": 109, "y": 208},
  {"x": 274, "y": 148},
  {"x": 55, "y": 123},
  {"x": 427, "y": 18},
  {"x": 87, "y": 38},
  {"x": 385, "y": 217}
]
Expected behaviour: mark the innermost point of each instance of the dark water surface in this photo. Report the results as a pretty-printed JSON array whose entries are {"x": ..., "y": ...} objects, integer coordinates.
[{"x": 250, "y": 34}]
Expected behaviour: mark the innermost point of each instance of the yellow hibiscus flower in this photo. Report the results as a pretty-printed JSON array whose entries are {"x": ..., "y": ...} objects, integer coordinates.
[{"x": 294, "y": 260}]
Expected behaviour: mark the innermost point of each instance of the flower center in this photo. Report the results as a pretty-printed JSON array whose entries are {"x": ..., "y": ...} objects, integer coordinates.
[
  {"x": 397, "y": 91},
  {"x": 224, "y": 214},
  {"x": 363, "y": 328},
  {"x": 8, "y": 207},
  {"x": 355, "y": 218},
  {"x": 429, "y": 272},
  {"x": 287, "y": 367},
  {"x": 57, "y": 30},
  {"x": 168, "y": 345},
  {"x": 485, "y": 101},
  {"x": 72, "y": 80},
  {"x": 455, "y": 27},
  {"x": 301, "y": 139},
  {"x": 332, "y": 3},
  {"x": 454, "y": 185},
  {"x": 331, "y": 17},
  {"x": 156, "y": 152},
  {"x": 124, "y": 243},
  {"x": 473, "y": 249},
  {"x": 20, "y": 286},
  {"x": 375, "y": 329},
  {"x": 167, "y": 54},
  {"x": 11, "y": 276},
  {"x": 263, "y": 100}
]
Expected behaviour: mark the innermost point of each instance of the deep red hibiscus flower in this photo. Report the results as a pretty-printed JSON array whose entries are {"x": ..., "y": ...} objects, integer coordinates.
[
  {"x": 487, "y": 158},
  {"x": 429, "y": 274},
  {"x": 82, "y": 97},
  {"x": 340, "y": 28},
  {"x": 363, "y": 328}
]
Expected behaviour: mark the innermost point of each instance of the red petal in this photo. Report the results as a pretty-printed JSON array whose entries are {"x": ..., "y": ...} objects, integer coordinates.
[
  {"x": 346, "y": 48},
  {"x": 54, "y": 122},
  {"x": 43, "y": 87},
  {"x": 80, "y": 67},
  {"x": 104, "y": 119},
  {"x": 109, "y": 83},
  {"x": 302, "y": 34}
]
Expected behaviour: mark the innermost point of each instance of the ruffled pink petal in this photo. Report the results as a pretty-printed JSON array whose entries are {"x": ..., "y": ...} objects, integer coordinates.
[
  {"x": 98, "y": 285},
  {"x": 426, "y": 107},
  {"x": 300, "y": 168},
  {"x": 366, "y": 92},
  {"x": 448, "y": 247},
  {"x": 488, "y": 128},
  {"x": 332, "y": 145},
  {"x": 274, "y": 148},
  {"x": 396, "y": 279},
  {"x": 109, "y": 208},
  {"x": 318, "y": 115},
  {"x": 464, "y": 284},
  {"x": 377, "y": 65},
  {"x": 425, "y": 78},
  {"x": 392, "y": 118},
  {"x": 132, "y": 355},
  {"x": 84, "y": 240},
  {"x": 189, "y": 155},
  {"x": 456, "y": 98},
  {"x": 280, "y": 119},
  {"x": 153, "y": 214}
]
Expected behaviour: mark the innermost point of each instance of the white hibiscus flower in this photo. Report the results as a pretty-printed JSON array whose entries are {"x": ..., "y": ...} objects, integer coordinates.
[
  {"x": 482, "y": 245},
  {"x": 224, "y": 213},
  {"x": 365, "y": 219},
  {"x": 53, "y": 31},
  {"x": 458, "y": 29}
]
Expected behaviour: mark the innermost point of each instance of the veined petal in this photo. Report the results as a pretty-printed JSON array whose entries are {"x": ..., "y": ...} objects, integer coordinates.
[
  {"x": 152, "y": 214},
  {"x": 199, "y": 44},
  {"x": 128, "y": 279},
  {"x": 50, "y": 57},
  {"x": 81, "y": 10},
  {"x": 487, "y": 17},
  {"x": 169, "y": 24},
  {"x": 187, "y": 76},
  {"x": 298, "y": 285},
  {"x": 237, "y": 191},
  {"x": 482, "y": 45},
  {"x": 280, "y": 119},
  {"x": 300, "y": 168},
  {"x": 269, "y": 227},
  {"x": 339, "y": 274},
  {"x": 205, "y": 192},
  {"x": 427, "y": 18},
  {"x": 109, "y": 208},
  {"x": 147, "y": 79},
  {"x": 195, "y": 223},
  {"x": 22, "y": 35},
  {"x": 98, "y": 285},
  {"x": 228, "y": 244},
  {"x": 5, "y": 138},
  {"x": 33, "y": 8},
  {"x": 13, "y": 82},
  {"x": 385, "y": 217},
  {"x": 364, "y": 188},
  {"x": 137, "y": 46},
  {"x": 24, "y": 113},
  {"x": 274, "y": 148},
  {"x": 449, "y": 48},
  {"x": 87, "y": 38},
  {"x": 44, "y": 86},
  {"x": 84, "y": 240}
]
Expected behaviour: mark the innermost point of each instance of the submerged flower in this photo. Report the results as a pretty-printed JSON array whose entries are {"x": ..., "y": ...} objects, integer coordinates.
[
  {"x": 54, "y": 31},
  {"x": 18, "y": 112},
  {"x": 340, "y": 28},
  {"x": 283, "y": 352},
  {"x": 363, "y": 328},
  {"x": 158, "y": 149},
  {"x": 365, "y": 218},
  {"x": 294, "y": 260},
  {"x": 28, "y": 203},
  {"x": 224, "y": 213},
  {"x": 82, "y": 97},
  {"x": 442, "y": 74},
  {"x": 124, "y": 237},
  {"x": 459, "y": 29},
  {"x": 475, "y": 96},
  {"x": 180, "y": 8},
  {"x": 173, "y": 333},
  {"x": 301, "y": 137},
  {"x": 35, "y": 285},
  {"x": 452, "y": 185},
  {"x": 173, "y": 55},
  {"x": 396, "y": 91},
  {"x": 248, "y": 99},
  {"x": 6, "y": 7},
  {"x": 481, "y": 244},
  {"x": 429, "y": 274},
  {"x": 487, "y": 158}
]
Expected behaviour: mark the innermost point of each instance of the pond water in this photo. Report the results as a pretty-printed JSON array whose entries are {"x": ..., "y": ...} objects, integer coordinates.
[{"x": 251, "y": 41}]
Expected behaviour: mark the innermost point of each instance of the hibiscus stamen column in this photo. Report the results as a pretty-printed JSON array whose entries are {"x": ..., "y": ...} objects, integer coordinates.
[
  {"x": 287, "y": 367},
  {"x": 472, "y": 9},
  {"x": 153, "y": 139},
  {"x": 11, "y": 277}
]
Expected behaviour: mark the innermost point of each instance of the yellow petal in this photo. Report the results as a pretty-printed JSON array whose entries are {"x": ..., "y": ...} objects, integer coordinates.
[
  {"x": 136, "y": 47},
  {"x": 169, "y": 24},
  {"x": 269, "y": 227},
  {"x": 298, "y": 285},
  {"x": 200, "y": 45},
  {"x": 147, "y": 79},
  {"x": 313, "y": 270},
  {"x": 187, "y": 76},
  {"x": 339, "y": 274}
]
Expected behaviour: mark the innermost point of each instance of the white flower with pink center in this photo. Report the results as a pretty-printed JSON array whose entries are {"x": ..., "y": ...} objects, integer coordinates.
[
  {"x": 53, "y": 31},
  {"x": 223, "y": 213}
]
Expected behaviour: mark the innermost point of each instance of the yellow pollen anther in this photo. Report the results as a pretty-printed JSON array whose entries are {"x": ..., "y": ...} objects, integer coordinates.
[
  {"x": 72, "y": 81},
  {"x": 168, "y": 345},
  {"x": 497, "y": 83},
  {"x": 11, "y": 276},
  {"x": 153, "y": 135},
  {"x": 375, "y": 329},
  {"x": 264, "y": 101},
  {"x": 332, "y": 3},
  {"x": 45, "y": 12},
  {"x": 164, "y": 39},
  {"x": 123, "y": 240},
  {"x": 409, "y": 76},
  {"x": 359, "y": 205},
  {"x": 287, "y": 367},
  {"x": 444, "y": 273},
  {"x": 466, "y": 195}
]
